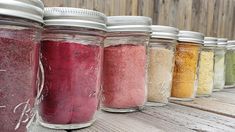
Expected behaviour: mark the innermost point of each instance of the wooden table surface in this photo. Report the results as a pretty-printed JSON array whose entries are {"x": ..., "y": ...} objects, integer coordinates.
[{"x": 213, "y": 114}]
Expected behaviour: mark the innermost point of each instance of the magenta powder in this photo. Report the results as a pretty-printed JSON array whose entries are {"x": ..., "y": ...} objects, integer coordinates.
[
  {"x": 124, "y": 76},
  {"x": 72, "y": 82},
  {"x": 19, "y": 56}
]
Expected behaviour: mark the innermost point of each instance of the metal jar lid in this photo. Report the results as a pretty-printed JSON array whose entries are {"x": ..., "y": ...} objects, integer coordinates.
[
  {"x": 190, "y": 36},
  {"x": 27, "y": 9},
  {"x": 165, "y": 32},
  {"x": 231, "y": 42},
  {"x": 210, "y": 41},
  {"x": 129, "y": 23},
  {"x": 222, "y": 41},
  {"x": 74, "y": 17}
]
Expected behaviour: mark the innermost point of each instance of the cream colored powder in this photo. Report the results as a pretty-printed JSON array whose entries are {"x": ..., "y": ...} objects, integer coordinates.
[
  {"x": 160, "y": 69},
  {"x": 205, "y": 82}
]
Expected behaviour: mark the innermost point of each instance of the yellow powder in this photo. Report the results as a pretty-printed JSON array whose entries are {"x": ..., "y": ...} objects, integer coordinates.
[
  {"x": 185, "y": 70},
  {"x": 205, "y": 80},
  {"x": 160, "y": 68}
]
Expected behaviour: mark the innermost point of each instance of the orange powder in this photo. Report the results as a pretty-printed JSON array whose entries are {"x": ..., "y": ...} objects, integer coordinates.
[{"x": 185, "y": 70}]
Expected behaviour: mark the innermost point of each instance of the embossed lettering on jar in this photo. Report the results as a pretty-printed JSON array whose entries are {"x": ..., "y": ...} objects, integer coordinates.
[{"x": 20, "y": 32}]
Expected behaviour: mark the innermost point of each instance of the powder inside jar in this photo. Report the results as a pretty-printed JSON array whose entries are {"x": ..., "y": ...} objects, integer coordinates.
[
  {"x": 185, "y": 71},
  {"x": 72, "y": 82},
  {"x": 124, "y": 76},
  {"x": 205, "y": 80},
  {"x": 19, "y": 57},
  {"x": 219, "y": 70},
  {"x": 230, "y": 67},
  {"x": 159, "y": 74}
]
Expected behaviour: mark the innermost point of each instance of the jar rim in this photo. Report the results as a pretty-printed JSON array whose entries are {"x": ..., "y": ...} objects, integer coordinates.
[
  {"x": 74, "y": 17},
  {"x": 222, "y": 41},
  {"x": 129, "y": 24},
  {"x": 165, "y": 32},
  {"x": 190, "y": 36},
  {"x": 27, "y": 9},
  {"x": 210, "y": 41}
]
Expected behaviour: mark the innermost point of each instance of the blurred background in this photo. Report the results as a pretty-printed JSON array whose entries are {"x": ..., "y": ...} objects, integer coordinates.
[{"x": 212, "y": 17}]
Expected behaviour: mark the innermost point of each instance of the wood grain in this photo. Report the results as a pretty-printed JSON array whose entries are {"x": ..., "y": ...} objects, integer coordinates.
[
  {"x": 220, "y": 103},
  {"x": 211, "y": 17},
  {"x": 169, "y": 118}
]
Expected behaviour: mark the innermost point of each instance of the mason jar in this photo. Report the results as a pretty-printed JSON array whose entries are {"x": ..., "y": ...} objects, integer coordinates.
[
  {"x": 161, "y": 54},
  {"x": 124, "y": 75},
  {"x": 230, "y": 65},
  {"x": 20, "y": 33},
  {"x": 206, "y": 67},
  {"x": 72, "y": 54},
  {"x": 219, "y": 66},
  {"x": 186, "y": 65}
]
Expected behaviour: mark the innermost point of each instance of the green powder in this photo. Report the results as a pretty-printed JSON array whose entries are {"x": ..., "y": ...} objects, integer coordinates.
[{"x": 230, "y": 68}]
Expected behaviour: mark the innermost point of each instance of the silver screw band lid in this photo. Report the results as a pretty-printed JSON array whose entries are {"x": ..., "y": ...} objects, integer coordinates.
[
  {"x": 190, "y": 36},
  {"x": 165, "y": 32},
  {"x": 27, "y": 9},
  {"x": 231, "y": 42},
  {"x": 210, "y": 41},
  {"x": 74, "y": 17},
  {"x": 129, "y": 23},
  {"x": 222, "y": 41}
]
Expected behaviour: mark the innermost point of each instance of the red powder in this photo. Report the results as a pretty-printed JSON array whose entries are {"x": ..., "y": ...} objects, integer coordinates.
[
  {"x": 124, "y": 76},
  {"x": 19, "y": 56},
  {"x": 72, "y": 82}
]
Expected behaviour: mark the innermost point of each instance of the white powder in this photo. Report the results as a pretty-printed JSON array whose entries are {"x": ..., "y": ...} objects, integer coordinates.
[{"x": 160, "y": 69}]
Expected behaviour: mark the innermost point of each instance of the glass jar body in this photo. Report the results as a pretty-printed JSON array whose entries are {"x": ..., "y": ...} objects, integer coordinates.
[
  {"x": 19, "y": 60},
  {"x": 160, "y": 70},
  {"x": 185, "y": 71},
  {"x": 124, "y": 76},
  {"x": 230, "y": 68},
  {"x": 219, "y": 69},
  {"x": 72, "y": 61},
  {"x": 206, "y": 72}
]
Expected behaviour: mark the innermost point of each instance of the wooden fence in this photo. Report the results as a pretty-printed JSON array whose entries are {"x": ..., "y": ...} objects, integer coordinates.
[{"x": 211, "y": 17}]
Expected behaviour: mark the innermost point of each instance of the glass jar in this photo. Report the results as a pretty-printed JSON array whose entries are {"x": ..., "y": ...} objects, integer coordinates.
[
  {"x": 72, "y": 52},
  {"x": 230, "y": 65},
  {"x": 206, "y": 67},
  {"x": 161, "y": 51},
  {"x": 124, "y": 75},
  {"x": 186, "y": 65},
  {"x": 20, "y": 34},
  {"x": 219, "y": 66}
]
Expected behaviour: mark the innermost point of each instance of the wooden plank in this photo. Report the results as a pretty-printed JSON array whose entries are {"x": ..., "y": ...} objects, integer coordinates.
[
  {"x": 210, "y": 17},
  {"x": 213, "y": 104},
  {"x": 107, "y": 122},
  {"x": 184, "y": 16},
  {"x": 214, "y": 31},
  {"x": 173, "y": 15},
  {"x": 35, "y": 127},
  {"x": 233, "y": 23},
  {"x": 122, "y": 5},
  {"x": 134, "y": 9},
  {"x": 193, "y": 119},
  {"x": 128, "y": 7},
  {"x": 49, "y": 3}
]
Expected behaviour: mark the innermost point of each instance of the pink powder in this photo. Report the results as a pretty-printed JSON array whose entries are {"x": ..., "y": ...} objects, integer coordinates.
[
  {"x": 124, "y": 76},
  {"x": 19, "y": 55},
  {"x": 72, "y": 82}
]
